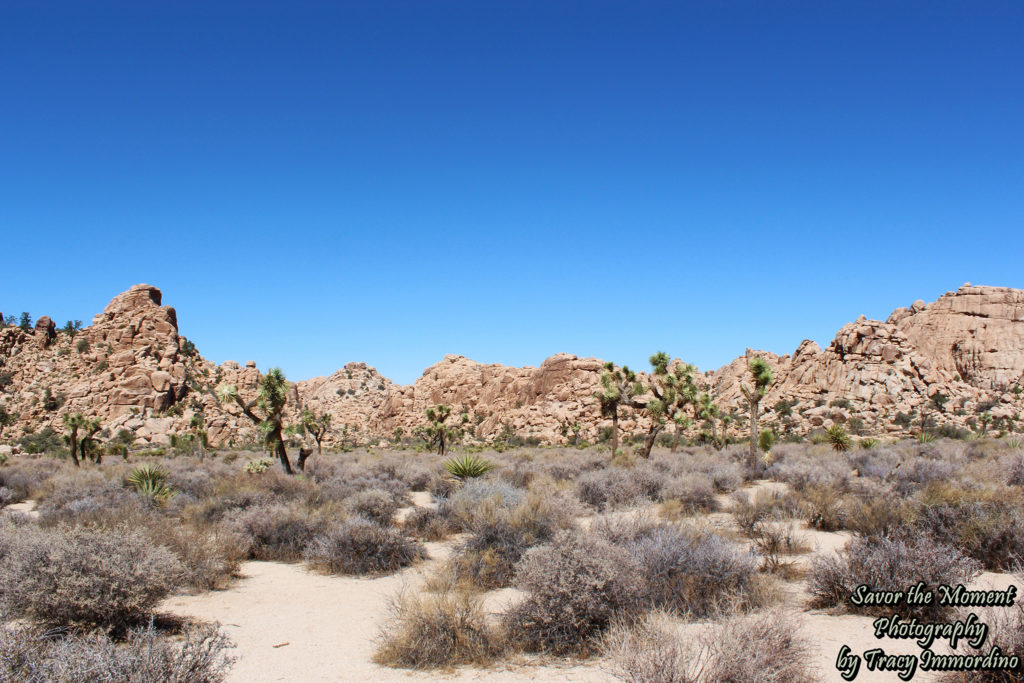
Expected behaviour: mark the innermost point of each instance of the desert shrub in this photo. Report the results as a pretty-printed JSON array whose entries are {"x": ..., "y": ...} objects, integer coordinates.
[
  {"x": 442, "y": 630},
  {"x": 616, "y": 487},
  {"x": 275, "y": 532},
  {"x": 500, "y": 536},
  {"x": 425, "y": 524},
  {"x": 889, "y": 563},
  {"x": 45, "y": 440},
  {"x": 879, "y": 513},
  {"x": 466, "y": 503},
  {"x": 811, "y": 467},
  {"x": 360, "y": 546},
  {"x": 984, "y": 524},
  {"x": 748, "y": 511},
  {"x": 919, "y": 472},
  {"x": 87, "y": 498},
  {"x": 768, "y": 648},
  {"x": 773, "y": 541},
  {"x": 822, "y": 507},
  {"x": 575, "y": 586},
  {"x": 209, "y": 558},
  {"x": 84, "y": 576},
  {"x": 1014, "y": 465},
  {"x": 686, "y": 570},
  {"x": 225, "y": 505},
  {"x": 646, "y": 650},
  {"x": 1007, "y": 633},
  {"x": 24, "y": 477},
  {"x": 374, "y": 504},
  {"x": 694, "y": 492},
  {"x": 31, "y": 656}
]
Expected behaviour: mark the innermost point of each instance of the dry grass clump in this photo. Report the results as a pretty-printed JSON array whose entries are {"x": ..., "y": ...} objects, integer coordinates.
[
  {"x": 1014, "y": 467},
  {"x": 774, "y": 541},
  {"x": 767, "y": 648},
  {"x": 692, "y": 493},
  {"x": 575, "y": 586},
  {"x": 360, "y": 546},
  {"x": 889, "y": 563},
  {"x": 822, "y": 507},
  {"x": 876, "y": 513},
  {"x": 646, "y": 650},
  {"x": 767, "y": 503},
  {"x": 814, "y": 466},
  {"x": 688, "y": 570},
  {"x": 83, "y": 576},
  {"x": 31, "y": 656},
  {"x": 437, "y": 631},
  {"x": 25, "y": 477},
  {"x": 275, "y": 532}
]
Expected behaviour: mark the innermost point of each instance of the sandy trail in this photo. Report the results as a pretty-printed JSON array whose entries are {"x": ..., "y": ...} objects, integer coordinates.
[{"x": 329, "y": 624}]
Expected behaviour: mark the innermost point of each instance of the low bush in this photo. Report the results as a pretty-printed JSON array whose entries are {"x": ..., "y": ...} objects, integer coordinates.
[
  {"x": 575, "y": 586},
  {"x": 889, "y": 563},
  {"x": 613, "y": 487},
  {"x": 209, "y": 558},
  {"x": 985, "y": 525},
  {"x": 822, "y": 507},
  {"x": 87, "y": 498},
  {"x": 500, "y": 535},
  {"x": 425, "y": 524},
  {"x": 767, "y": 648},
  {"x": 445, "y": 630},
  {"x": 275, "y": 532},
  {"x": 374, "y": 504},
  {"x": 359, "y": 546},
  {"x": 686, "y": 570},
  {"x": 31, "y": 656},
  {"x": 80, "y": 576},
  {"x": 694, "y": 493},
  {"x": 1007, "y": 633}
]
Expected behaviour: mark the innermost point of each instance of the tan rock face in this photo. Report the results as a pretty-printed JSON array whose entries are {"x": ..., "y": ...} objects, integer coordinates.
[{"x": 128, "y": 370}]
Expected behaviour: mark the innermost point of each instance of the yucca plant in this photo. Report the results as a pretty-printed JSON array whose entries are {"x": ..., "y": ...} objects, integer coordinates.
[
  {"x": 838, "y": 437},
  {"x": 467, "y": 467},
  {"x": 151, "y": 483},
  {"x": 868, "y": 443},
  {"x": 926, "y": 437}
]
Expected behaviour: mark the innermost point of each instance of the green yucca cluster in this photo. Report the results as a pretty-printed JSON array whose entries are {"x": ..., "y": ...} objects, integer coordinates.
[
  {"x": 468, "y": 466},
  {"x": 838, "y": 437},
  {"x": 151, "y": 483}
]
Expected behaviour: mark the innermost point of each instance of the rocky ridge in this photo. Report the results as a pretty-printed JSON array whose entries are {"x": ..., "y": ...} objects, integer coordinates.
[{"x": 133, "y": 370}]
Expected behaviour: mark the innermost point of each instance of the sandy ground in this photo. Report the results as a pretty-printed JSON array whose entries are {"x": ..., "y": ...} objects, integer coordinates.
[{"x": 291, "y": 624}]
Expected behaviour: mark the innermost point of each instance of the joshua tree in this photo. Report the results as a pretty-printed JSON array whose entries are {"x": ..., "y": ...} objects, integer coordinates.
[
  {"x": 316, "y": 426},
  {"x": 271, "y": 397},
  {"x": 25, "y": 322},
  {"x": 762, "y": 376},
  {"x": 709, "y": 411},
  {"x": 726, "y": 420},
  {"x": 199, "y": 436},
  {"x": 668, "y": 393},
  {"x": 81, "y": 431},
  {"x": 439, "y": 433},
  {"x": 616, "y": 389}
]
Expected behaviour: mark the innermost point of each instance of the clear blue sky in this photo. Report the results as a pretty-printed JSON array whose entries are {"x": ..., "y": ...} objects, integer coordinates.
[{"x": 312, "y": 183}]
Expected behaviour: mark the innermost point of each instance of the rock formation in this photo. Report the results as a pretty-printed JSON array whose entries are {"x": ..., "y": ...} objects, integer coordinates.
[{"x": 133, "y": 370}]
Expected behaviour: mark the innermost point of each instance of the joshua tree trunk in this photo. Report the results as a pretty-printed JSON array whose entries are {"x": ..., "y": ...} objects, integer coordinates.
[
  {"x": 615, "y": 433},
  {"x": 753, "y": 432},
  {"x": 73, "y": 443},
  {"x": 675, "y": 438},
  {"x": 304, "y": 453},
  {"x": 651, "y": 436},
  {"x": 278, "y": 440},
  {"x": 714, "y": 434}
]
